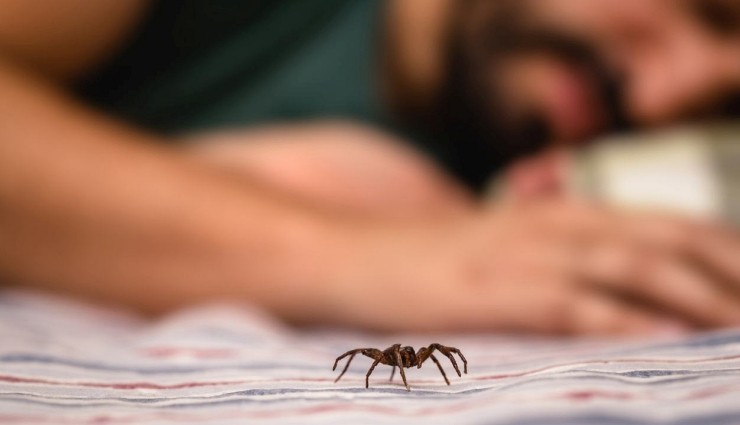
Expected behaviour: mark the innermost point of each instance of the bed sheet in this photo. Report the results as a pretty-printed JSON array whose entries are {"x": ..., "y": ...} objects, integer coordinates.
[{"x": 66, "y": 362}]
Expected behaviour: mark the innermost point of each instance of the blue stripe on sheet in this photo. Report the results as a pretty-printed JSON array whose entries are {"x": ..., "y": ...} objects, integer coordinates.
[{"x": 61, "y": 361}]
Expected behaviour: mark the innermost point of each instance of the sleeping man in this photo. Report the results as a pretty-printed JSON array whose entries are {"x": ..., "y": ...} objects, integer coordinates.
[{"x": 321, "y": 159}]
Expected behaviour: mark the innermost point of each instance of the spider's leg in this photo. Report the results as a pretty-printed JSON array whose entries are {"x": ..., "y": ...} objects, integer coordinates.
[
  {"x": 370, "y": 371},
  {"x": 393, "y": 373},
  {"x": 403, "y": 377},
  {"x": 459, "y": 353},
  {"x": 346, "y": 366},
  {"x": 446, "y": 351},
  {"x": 399, "y": 362},
  {"x": 422, "y": 355},
  {"x": 352, "y": 352},
  {"x": 442, "y": 371}
]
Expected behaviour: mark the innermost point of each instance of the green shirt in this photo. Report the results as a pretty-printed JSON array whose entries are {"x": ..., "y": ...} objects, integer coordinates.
[
  {"x": 200, "y": 64},
  {"x": 203, "y": 64}
]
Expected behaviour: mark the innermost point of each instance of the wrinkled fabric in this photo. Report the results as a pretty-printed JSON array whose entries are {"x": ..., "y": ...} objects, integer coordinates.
[{"x": 65, "y": 362}]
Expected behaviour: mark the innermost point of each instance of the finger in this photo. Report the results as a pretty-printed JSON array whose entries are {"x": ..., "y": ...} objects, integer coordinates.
[
  {"x": 569, "y": 309},
  {"x": 571, "y": 219},
  {"x": 718, "y": 249},
  {"x": 714, "y": 246},
  {"x": 512, "y": 304},
  {"x": 597, "y": 314},
  {"x": 586, "y": 223},
  {"x": 682, "y": 287},
  {"x": 670, "y": 282}
]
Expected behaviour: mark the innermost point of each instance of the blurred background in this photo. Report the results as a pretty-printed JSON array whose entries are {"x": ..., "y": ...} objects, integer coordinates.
[
  {"x": 190, "y": 149},
  {"x": 481, "y": 86}
]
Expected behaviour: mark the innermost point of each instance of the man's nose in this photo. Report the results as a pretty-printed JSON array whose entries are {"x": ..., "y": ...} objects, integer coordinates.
[{"x": 682, "y": 76}]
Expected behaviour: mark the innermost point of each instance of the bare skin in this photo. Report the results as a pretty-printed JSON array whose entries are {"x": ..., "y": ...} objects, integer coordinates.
[
  {"x": 94, "y": 208},
  {"x": 340, "y": 166}
]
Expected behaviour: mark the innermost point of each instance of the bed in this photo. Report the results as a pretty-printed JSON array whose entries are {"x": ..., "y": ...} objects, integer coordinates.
[{"x": 66, "y": 362}]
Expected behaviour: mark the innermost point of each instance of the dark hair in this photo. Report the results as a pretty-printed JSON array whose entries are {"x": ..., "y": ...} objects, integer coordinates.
[{"x": 470, "y": 115}]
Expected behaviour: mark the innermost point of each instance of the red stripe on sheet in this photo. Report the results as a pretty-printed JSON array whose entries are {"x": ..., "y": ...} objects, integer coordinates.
[
  {"x": 119, "y": 386},
  {"x": 149, "y": 385},
  {"x": 589, "y": 395},
  {"x": 198, "y": 353},
  {"x": 239, "y": 414},
  {"x": 350, "y": 407}
]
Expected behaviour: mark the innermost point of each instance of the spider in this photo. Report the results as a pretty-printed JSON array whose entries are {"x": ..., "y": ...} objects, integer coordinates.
[{"x": 402, "y": 357}]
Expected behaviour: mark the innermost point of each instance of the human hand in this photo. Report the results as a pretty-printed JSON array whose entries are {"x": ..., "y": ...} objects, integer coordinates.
[{"x": 556, "y": 267}]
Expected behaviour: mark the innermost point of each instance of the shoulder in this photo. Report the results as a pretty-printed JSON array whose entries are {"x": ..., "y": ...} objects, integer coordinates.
[{"x": 64, "y": 39}]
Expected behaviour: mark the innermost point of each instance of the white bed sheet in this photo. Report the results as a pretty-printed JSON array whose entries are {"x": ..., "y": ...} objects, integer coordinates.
[{"x": 70, "y": 363}]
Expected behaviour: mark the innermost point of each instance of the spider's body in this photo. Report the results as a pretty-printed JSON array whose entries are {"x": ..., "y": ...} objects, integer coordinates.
[{"x": 403, "y": 357}]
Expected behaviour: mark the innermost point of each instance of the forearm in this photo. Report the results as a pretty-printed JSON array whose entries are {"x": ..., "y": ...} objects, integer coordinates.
[
  {"x": 91, "y": 207},
  {"x": 337, "y": 166}
]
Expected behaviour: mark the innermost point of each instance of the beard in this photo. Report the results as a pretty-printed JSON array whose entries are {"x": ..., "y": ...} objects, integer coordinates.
[{"x": 474, "y": 118}]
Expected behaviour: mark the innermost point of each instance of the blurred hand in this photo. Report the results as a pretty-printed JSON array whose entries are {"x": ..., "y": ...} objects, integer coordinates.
[
  {"x": 541, "y": 176},
  {"x": 542, "y": 263},
  {"x": 551, "y": 267}
]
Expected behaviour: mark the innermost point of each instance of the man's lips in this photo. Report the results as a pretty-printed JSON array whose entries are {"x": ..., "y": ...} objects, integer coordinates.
[
  {"x": 564, "y": 94},
  {"x": 570, "y": 103}
]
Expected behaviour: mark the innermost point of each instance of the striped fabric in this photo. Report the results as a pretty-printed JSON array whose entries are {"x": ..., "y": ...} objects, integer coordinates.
[{"x": 62, "y": 362}]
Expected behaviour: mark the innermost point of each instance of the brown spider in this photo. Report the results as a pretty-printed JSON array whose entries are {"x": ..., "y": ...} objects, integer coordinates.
[{"x": 395, "y": 355}]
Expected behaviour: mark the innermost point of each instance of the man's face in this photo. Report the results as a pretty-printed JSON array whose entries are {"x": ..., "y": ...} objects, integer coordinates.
[{"x": 539, "y": 72}]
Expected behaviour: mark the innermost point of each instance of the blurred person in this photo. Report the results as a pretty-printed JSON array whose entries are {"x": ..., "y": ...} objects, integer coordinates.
[{"x": 299, "y": 209}]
